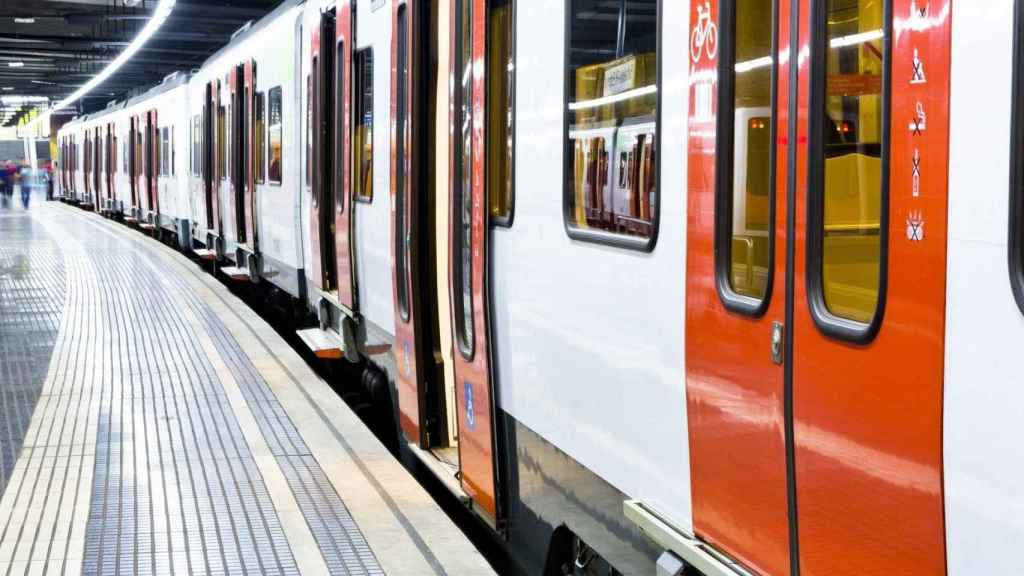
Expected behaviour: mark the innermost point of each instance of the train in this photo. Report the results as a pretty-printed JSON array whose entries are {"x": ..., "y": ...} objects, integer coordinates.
[{"x": 652, "y": 286}]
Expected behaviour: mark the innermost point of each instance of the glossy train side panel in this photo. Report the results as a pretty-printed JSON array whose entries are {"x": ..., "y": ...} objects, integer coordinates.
[
  {"x": 588, "y": 339},
  {"x": 984, "y": 400},
  {"x": 734, "y": 390},
  {"x": 342, "y": 44},
  {"x": 868, "y": 416},
  {"x": 473, "y": 384},
  {"x": 372, "y": 228}
]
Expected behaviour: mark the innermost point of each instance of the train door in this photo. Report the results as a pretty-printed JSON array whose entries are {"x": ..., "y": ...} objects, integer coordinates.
[
  {"x": 153, "y": 164},
  {"x": 343, "y": 216},
  {"x": 247, "y": 206},
  {"x": 213, "y": 126},
  {"x": 109, "y": 163},
  {"x": 235, "y": 144},
  {"x": 86, "y": 191},
  {"x": 468, "y": 250},
  {"x": 426, "y": 413},
  {"x": 320, "y": 88},
  {"x": 133, "y": 163},
  {"x": 816, "y": 282},
  {"x": 100, "y": 172}
]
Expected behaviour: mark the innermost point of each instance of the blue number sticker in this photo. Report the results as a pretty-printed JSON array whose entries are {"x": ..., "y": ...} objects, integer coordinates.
[{"x": 470, "y": 416}]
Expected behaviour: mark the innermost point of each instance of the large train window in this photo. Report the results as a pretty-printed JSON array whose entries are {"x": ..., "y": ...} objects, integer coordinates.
[
  {"x": 501, "y": 110},
  {"x": 462, "y": 183},
  {"x": 744, "y": 187},
  {"x": 847, "y": 200},
  {"x": 274, "y": 116},
  {"x": 611, "y": 172},
  {"x": 260, "y": 147},
  {"x": 362, "y": 138}
]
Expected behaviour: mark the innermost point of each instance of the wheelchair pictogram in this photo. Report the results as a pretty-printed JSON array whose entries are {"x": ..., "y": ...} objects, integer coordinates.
[{"x": 705, "y": 34}]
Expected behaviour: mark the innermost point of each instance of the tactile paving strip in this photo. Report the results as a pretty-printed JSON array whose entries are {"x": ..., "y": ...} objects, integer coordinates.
[
  {"x": 133, "y": 411},
  {"x": 338, "y": 536},
  {"x": 31, "y": 302},
  {"x": 175, "y": 487}
]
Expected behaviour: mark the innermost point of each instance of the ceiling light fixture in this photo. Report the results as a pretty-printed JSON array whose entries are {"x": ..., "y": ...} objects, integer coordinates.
[
  {"x": 160, "y": 14},
  {"x": 15, "y": 64},
  {"x": 24, "y": 20}
]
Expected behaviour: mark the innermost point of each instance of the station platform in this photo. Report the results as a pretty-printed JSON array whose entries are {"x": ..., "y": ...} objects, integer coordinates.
[{"x": 154, "y": 424}]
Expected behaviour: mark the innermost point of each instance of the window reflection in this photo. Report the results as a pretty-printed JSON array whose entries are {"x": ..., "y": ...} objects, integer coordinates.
[
  {"x": 749, "y": 251},
  {"x": 612, "y": 110},
  {"x": 851, "y": 251}
]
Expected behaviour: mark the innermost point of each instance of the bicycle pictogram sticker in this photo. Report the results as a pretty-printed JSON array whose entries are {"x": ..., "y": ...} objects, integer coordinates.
[{"x": 705, "y": 34}]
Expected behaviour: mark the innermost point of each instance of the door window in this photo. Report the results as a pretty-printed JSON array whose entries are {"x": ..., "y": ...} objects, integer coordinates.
[
  {"x": 611, "y": 177},
  {"x": 274, "y": 171},
  {"x": 362, "y": 138},
  {"x": 462, "y": 263},
  {"x": 501, "y": 110},
  {"x": 341, "y": 162},
  {"x": 745, "y": 155},
  {"x": 260, "y": 149},
  {"x": 848, "y": 183},
  {"x": 401, "y": 219}
]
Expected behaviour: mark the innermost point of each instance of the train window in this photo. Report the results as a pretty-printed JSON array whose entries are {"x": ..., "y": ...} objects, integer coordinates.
[
  {"x": 401, "y": 222},
  {"x": 611, "y": 132},
  {"x": 197, "y": 144},
  {"x": 847, "y": 199},
  {"x": 275, "y": 135},
  {"x": 221, "y": 141},
  {"x": 362, "y": 138},
  {"x": 462, "y": 183},
  {"x": 229, "y": 148},
  {"x": 501, "y": 110},
  {"x": 744, "y": 234},
  {"x": 341, "y": 163},
  {"x": 259, "y": 154},
  {"x": 167, "y": 151}
]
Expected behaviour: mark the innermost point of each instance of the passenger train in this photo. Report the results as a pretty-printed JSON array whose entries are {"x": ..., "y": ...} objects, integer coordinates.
[{"x": 709, "y": 285}]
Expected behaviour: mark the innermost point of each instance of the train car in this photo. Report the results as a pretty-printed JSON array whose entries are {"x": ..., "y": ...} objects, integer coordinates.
[
  {"x": 797, "y": 359},
  {"x": 245, "y": 176}
]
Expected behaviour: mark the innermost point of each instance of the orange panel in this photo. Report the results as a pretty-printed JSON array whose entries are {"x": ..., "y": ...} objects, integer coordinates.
[
  {"x": 409, "y": 373},
  {"x": 734, "y": 391},
  {"x": 473, "y": 388},
  {"x": 868, "y": 418},
  {"x": 343, "y": 215}
]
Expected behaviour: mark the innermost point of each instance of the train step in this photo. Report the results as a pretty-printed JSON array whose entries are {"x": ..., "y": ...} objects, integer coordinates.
[
  {"x": 326, "y": 344},
  {"x": 205, "y": 253},
  {"x": 236, "y": 273}
]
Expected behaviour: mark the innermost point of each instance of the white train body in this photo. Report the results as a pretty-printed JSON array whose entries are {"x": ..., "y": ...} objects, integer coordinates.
[{"x": 622, "y": 408}]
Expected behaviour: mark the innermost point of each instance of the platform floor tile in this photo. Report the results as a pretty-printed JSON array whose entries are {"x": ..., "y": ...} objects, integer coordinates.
[{"x": 176, "y": 433}]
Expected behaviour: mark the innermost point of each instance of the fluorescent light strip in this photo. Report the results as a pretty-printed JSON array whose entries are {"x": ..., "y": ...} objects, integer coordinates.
[
  {"x": 163, "y": 10},
  {"x": 754, "y": 64},
  {"x": 604, "y": 101},
  {"x": 854, "y": 39}
]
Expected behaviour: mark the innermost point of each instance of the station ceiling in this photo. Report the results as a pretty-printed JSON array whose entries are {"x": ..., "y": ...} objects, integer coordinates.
[{"x": 50, "y": 48}]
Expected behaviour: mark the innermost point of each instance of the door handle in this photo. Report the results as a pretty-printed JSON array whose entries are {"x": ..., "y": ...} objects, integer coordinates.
[{"x": 778, "y": 342}]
